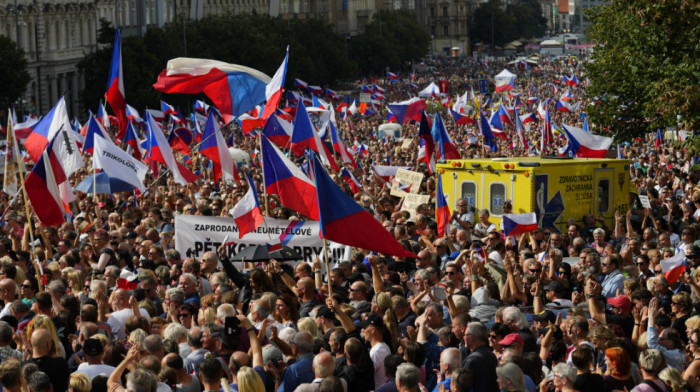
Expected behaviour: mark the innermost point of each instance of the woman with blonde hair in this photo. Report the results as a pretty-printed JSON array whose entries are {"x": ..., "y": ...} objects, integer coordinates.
[
  {"x": 383, "y": 303},
  {"x": 76, "y": 284},
  {"x": 681, "y": 306},
  {"x": 249, "y": 380},
  {"x": 673, "y": 380},
  {"x": 44, "y": 322},
  {"x": 308, "y": 325},
  {"x": 79, "y": 382}
]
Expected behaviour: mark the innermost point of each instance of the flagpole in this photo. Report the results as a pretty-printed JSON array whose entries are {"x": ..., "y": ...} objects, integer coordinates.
[
  {"x": 266, "y": 201},
  {"x": 11, "y": 128},
  {"x": 328, "y": 269},
  {"x": 94, "y": 181}
]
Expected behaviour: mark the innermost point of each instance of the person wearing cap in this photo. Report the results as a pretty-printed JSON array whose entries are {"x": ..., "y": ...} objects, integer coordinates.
[
  {"x": 325, "y": 320},
  {"x": 513, "y": 342},
  {"x": 542, "y": 319},
  {"x": 620, "y": 313},
  {"x": 93, "y": 366},
  {"x": 556, "y": 294},
  {"x": 372, "y": 329}
]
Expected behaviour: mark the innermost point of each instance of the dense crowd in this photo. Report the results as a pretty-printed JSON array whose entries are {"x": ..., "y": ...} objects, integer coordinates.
[{"x": 587, "y": 308}]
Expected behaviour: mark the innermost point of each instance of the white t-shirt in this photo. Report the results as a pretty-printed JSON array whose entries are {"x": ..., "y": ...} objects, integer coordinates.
[
  {"x": 93, "y": 371},
  {"x": 378, "y": 353},
  {"x": 117, "y": 320}
]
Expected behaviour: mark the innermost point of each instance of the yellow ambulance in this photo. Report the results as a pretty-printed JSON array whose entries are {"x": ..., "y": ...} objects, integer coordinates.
[{"x": 556, "y": 189}]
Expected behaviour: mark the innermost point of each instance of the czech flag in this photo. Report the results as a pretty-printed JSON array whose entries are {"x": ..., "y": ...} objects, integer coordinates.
[
  {"x": 158, "y": 150},
  {"x": 566, "y": 96},
  {"x": 94, "y": 128},
  {"x": 278, "y": 130},
  {"x": 351, "y": 180},
  {"x": 274, "y": 89},
  {"x": 461, "y": 118},
  {"x": 285, "y": 179},
  {"x": 442, "y": 212},
  {"x": 427, "y": 144},
  {"x": 315, "y": 90},
  {"x": 520, "y": 131},
  {"x": 246, "y": 212},
  {"x": 42, "y": 188},
  {"x": 562, "y": 106},
  {"x": 344, "y": 221},
  {"x": 409, "y": 110},
  {"x": 528, "y": 118},
  {"x": 340, "y": 148},
  {"x": 127, "y": 280},
  {"x": 305, "y": 136},
  {"x": 659, "y": 138},
  {"x": 505, "y": 117},
  {"x": 485, "y": 128},
  {"x": 300, "y": 84},
  {"x": 505, "y": 84},
  {"x": 234, "y": 89},
  {"x": 133, "y": 114},
  {"x": 514, "y": 224},
  {"x": 585, "y": 144},
  {"x": 131, "y": 139},
  {"x": 392, "y": 76},
  {"x": 54, "y": 122},
  {"x": 167, "y": 109},
  {"x": 572, "y": 81},
  {"x": 331, "y": 94},
  {"x": 115, "y": 87},
  {"x": 673, "y": 267},
  {"x": 214, "y": 147},
  {"x": 445, "y": 148}
]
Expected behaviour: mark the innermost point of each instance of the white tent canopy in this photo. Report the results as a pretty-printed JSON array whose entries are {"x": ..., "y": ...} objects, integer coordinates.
[
  {"x": 431, "y": 90},
  {"x": 505, "y": 75}
]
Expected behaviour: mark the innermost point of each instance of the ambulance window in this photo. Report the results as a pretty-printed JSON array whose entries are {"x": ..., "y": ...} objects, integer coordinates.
[
  {"x": 469, "y": 190},
  {"x": 603, "y": 195},
  {"x": 497, "y": 195}
]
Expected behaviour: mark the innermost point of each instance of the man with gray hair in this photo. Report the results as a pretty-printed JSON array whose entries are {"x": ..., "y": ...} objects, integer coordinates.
[
  {"x": 141, "y": 380},
  {"x": 324, "y": 367},
  {"x": 481, "y": 361},
  {"x": 194, "y": 338},
  {"x": 407, "y": 375},
  {"x": 302, "y": 370},
  {"x": 188, "y": 285},
  {"x": 154, "y": 346},
  {"x": 177, "y": 333},
  {"x": 259, "y": 312},
  {"x": 450, "y": 360},
  {"x": 514, "y": 319},
  {"x": 174, "y": 298}
]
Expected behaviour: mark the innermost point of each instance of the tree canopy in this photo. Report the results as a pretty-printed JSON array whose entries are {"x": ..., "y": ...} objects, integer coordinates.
[
  {"x": 518, "y": 20},
  {"x": 645, "y": 71},
  {"x": 13, "y": 73}
]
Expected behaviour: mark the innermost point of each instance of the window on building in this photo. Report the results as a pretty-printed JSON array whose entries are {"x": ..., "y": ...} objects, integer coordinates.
[
  {"x": 432, "y": 12},
  {"x": 497, "y": 194},
  {"x": 445, "y": 30},
  {"x": 603, "y": 195},
  {"x": 432, "y": 30},
  {"x": 444, "y": 12}
]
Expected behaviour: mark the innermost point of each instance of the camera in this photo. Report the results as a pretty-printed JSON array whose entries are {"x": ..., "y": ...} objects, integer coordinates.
[{"x": 232, "y": 326}]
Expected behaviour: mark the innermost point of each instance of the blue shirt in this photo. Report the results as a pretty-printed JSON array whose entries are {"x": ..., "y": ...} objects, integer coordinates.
[
  {"x": 446, "y": 383},
  {"x": 299, "y": 373},
  {"x": 612, "y": 283}
]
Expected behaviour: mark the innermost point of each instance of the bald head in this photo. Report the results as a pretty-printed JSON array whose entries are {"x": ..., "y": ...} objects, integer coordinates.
[
  {"x": 324, "y": 365},
  {"x": 8, "y": 286},
  {"x": 41, "y": 342}
]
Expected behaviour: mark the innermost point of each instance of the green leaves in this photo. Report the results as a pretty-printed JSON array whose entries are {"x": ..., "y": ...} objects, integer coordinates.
[
  {"x": 13, "y": 73},
  {"x": 648, "y": 59}
]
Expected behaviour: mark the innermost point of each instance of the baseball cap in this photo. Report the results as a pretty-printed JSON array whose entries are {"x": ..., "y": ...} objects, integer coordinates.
[
  {"x": 324, "y": 312},
  {"x": 372, "y": 319},
  {"x": 512, "y": 338},
  {"x": 556, "y": 287},
  {"x": 271, "y": 354},
  {"x": 92, "y": 347},
  {"x": 545, "y": 316},
  {"x": 621, "y": 302}
]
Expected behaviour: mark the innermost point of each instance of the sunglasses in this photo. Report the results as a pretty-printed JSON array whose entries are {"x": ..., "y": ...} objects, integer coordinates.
[
  {"x": 27, "y": 286},
  {"x": 181, "y": 315},
  {"x": 535, "y": 271},
  {"x": 451, "y": 273}
]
